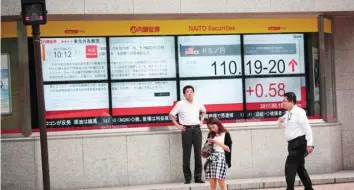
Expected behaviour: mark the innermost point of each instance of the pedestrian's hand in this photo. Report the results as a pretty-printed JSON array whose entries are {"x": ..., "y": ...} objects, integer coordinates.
[
  {"x": 214, "y": 141},
  {"x": 182, "y": 128},
  {"x": 211, "y": 141},
  {"x": 309, "y": 149},
  {"x": 281, "y": 119}
]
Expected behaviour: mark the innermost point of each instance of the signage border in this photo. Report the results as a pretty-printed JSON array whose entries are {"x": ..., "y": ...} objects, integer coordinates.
[
  {"x": 181, "y": 27},
  {"x": 131, "y": 27}
]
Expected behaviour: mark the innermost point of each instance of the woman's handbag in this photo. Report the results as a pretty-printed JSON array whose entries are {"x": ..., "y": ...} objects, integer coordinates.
[{"x": 207, "y": 149}]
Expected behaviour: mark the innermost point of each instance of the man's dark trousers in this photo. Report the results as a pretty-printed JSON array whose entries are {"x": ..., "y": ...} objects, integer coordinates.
[
  {"x": 192, "y": 136},
  {"x": 295, "y": 163}
]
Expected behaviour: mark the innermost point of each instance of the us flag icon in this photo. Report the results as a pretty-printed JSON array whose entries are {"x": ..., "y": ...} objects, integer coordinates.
[{"x": 191, "y": 51}]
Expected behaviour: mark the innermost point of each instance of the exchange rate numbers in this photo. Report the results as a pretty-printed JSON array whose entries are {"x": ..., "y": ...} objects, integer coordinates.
[
  {"x": 230, "y": 68},
  {"x": 274, "y": 90},
  {"x": 274, "y": 66}
]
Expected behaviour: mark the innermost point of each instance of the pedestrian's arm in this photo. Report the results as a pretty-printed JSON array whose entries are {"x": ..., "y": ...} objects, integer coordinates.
[
  {"x": 228, "y": 140},
  {"x": 281, "y": 124},
  {"x": 172, "y": 114},
  {"x": 203, "y": 112},
  {"x": 226, "y": 148},
  {"x": 172, "y": 117},
  {"x": 281, "y": 120},
  {"x": 305, "y": 125},
  {"x": 222, "y": 145}
]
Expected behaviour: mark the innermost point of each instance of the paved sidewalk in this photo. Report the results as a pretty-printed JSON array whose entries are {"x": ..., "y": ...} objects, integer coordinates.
[
  {"x": 338, "y": 186},
  {"x": 343, "y": 180}
]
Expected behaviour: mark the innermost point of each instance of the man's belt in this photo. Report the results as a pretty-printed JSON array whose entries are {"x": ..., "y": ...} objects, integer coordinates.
[
  {"x": 191, "y": 126},
  {"x": 298, "y": 138}
]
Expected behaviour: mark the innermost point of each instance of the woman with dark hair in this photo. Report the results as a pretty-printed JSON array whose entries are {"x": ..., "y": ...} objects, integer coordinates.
[{"x": 220, "y": 160}]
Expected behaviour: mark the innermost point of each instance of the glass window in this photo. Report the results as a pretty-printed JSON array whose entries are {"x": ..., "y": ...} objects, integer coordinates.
[
  {"x": 212, "y": 64},
  {"x": 135, "y": 81},
  {"x": 143, "y": 71},
  {"x": 75, "y": 79}
]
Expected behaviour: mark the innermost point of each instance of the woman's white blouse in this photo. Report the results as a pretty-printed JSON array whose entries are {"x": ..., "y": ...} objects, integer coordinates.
[{"x": 220, "y": 138}]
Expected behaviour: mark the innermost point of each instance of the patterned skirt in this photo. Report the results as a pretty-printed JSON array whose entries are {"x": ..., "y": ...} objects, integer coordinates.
[{"x": 216, "y": 166}]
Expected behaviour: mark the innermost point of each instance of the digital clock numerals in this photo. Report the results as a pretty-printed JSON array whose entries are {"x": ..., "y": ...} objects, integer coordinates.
[
  {"x": 62, "y": 54},
  {"x": 76, "y": 52}
]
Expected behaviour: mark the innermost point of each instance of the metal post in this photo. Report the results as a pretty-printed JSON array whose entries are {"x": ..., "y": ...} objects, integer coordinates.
[{"x": 41, "y": 106}]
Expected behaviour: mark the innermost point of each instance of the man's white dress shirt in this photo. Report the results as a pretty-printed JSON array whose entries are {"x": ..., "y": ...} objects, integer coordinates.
[
  {"x": 188, "y": 113},
  {"x": 297, "y": 124}
]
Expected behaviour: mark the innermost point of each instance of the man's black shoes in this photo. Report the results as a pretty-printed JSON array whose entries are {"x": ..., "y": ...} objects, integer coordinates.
[
  {"x": 199, "y": 181},
  {"x": 187, "y": 182}
]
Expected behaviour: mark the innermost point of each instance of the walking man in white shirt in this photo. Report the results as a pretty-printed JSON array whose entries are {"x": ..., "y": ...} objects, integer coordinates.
[
  {"x": 298, "y": 133},
  {"x": 189, "y": 124}
]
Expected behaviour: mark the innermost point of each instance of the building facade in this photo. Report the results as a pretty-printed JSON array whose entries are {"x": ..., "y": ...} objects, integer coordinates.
[{"x": 113, "y": 69}]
